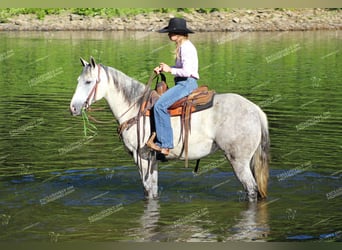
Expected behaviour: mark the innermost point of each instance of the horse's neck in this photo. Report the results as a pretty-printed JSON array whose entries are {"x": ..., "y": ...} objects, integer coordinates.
[{"x": 123, "y": 94}]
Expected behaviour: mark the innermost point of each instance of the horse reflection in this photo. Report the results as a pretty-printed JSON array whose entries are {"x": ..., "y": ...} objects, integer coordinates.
[
  {"x": 148, "y": 222},
  {"x": 252, "y": 224}
]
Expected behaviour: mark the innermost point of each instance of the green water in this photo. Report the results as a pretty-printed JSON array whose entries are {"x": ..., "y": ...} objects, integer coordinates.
[{"x": 57, "y": 185}]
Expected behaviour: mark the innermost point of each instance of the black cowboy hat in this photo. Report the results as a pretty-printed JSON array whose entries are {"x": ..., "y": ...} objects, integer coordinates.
[{"x": 177, "y": 26}]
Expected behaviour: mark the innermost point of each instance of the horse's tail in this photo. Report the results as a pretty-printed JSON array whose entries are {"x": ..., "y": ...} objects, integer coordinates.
[{"x": 260, "y": 160}]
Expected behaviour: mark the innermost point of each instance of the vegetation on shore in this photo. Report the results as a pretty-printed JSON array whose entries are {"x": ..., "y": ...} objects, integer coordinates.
[
  {"x": 108, "y": 12},
  {"x": 105, "y": 12},
  {"x": 221, "y": 19}
]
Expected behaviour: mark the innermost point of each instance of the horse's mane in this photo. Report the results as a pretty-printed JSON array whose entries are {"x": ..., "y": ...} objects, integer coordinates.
[{"x": 131, "y": 89}]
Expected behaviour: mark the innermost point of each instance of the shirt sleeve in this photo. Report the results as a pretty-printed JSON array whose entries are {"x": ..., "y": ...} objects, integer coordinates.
[{"x": 188, "y": 63}]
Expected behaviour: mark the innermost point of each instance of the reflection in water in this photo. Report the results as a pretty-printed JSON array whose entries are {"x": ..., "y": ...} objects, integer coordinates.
[
  {"x": 148, "y": 221},
  {"x": 253, "y": 224}
]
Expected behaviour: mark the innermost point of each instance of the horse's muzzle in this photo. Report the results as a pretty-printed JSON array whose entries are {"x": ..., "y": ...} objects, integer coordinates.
[{"x": 74, "y": 110}]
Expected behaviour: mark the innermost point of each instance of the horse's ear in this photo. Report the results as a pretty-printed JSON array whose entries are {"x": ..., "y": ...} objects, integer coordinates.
[
  {"x": 92, "y": 62},
  {"x": 84, "y": 62}
]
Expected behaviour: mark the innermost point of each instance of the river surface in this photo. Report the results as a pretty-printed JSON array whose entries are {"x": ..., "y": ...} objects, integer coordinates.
[{"x": 56, "y": 185}]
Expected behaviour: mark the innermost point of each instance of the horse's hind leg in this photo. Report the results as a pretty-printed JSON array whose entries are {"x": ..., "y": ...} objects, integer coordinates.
[{"x": 244, "y": 174}]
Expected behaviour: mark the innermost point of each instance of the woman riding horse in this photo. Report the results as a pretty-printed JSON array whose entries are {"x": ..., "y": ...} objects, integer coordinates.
[{"x": 186, "y": 76}]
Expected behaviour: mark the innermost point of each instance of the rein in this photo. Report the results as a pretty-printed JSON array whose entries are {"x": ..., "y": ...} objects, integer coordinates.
[{"x": 132, "y": 121}]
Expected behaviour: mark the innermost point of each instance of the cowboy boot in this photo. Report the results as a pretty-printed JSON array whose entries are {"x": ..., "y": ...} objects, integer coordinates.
[{"x": 150, "y": 143}]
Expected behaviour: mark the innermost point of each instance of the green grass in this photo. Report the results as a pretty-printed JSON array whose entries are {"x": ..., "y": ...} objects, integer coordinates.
[
  {"x": 111, "y": 12},
  {"x": 39, "y": 12},
  {"x": 105, "y": 12}
]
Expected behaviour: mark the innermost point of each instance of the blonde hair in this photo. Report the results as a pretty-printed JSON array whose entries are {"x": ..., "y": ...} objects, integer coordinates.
[{"x": 182, "y": 38}]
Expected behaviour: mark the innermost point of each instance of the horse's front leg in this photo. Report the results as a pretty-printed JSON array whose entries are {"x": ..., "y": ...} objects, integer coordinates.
[{"x": 149, "y": 175}]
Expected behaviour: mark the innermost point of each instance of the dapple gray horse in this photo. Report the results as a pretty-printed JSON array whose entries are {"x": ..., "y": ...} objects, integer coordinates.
[{"x": 233, "y": 124}]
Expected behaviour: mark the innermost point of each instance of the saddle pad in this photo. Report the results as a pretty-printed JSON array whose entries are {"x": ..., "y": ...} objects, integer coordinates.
[
  {"x": 202, "y": 90},
  {"x": 201, "y": 101}
]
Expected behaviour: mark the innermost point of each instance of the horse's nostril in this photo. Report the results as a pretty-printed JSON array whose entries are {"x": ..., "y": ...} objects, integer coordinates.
[{"x": 72, "y": 109}]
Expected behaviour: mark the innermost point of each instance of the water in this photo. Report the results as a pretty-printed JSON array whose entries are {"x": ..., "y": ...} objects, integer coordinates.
[{"x": 57, "y": 185}]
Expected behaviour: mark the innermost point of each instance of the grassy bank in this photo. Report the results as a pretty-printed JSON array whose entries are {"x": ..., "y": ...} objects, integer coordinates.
[{"x": 105, "y": 12}]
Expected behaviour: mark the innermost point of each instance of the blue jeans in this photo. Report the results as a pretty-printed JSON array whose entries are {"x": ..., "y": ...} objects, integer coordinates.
[{"x": 162, "y": 117}]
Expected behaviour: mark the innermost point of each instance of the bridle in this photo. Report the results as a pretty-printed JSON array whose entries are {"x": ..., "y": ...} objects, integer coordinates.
[
  {"x": 126, "y": 124},
  {"x": 92, "y": 93}
]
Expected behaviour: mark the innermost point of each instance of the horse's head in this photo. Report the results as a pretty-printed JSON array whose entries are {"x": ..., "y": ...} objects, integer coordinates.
[{"x": 89, "y": 88}]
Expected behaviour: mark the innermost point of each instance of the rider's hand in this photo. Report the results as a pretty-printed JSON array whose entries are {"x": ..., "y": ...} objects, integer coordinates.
[
  {"x": 162, "y": 68},
  {"x": 157, "y": 70},
  {"x": 165, "y": 68}
]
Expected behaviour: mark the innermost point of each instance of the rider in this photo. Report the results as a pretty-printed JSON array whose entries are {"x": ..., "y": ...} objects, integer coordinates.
[{"x": 185, "y": 74}]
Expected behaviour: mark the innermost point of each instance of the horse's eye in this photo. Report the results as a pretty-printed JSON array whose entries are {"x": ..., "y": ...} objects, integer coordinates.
[{"x": 88, "y": 82}]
